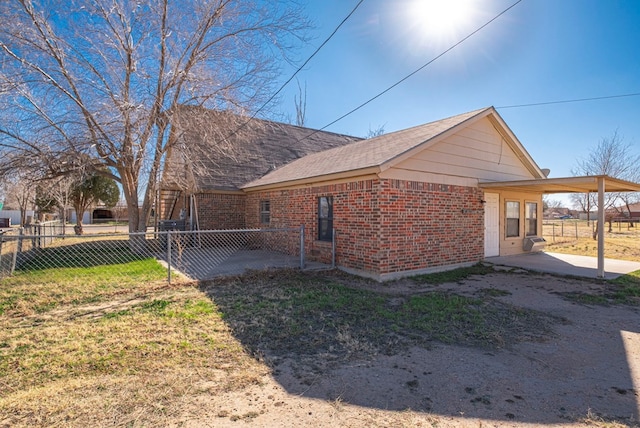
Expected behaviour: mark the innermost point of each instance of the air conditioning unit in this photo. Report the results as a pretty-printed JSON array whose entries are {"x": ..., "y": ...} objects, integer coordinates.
[{"x": 534, "y": 243}]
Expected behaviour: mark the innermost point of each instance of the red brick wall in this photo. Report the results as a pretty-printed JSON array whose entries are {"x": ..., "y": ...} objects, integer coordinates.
[
  {"x": 221, "y": 211},
  {"x": 425, "y": 225},
  {"x": 354, "y": 219},
  {"x": 384, "y": 226}
]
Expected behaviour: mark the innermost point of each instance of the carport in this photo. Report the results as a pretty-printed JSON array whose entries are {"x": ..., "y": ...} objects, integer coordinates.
[{"x": 599, "y": 184}]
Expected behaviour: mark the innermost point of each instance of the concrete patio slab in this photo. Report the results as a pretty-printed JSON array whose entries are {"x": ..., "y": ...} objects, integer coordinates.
[
  {"x": 208, "y": 263},
  {"x": 566, "y": 264}
]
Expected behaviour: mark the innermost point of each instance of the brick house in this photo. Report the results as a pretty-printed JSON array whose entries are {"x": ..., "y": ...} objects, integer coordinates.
[
  {"x": 227, "y": 151},
  {"x": 629, "y": 211},
  {"x": 407, "y": 202}
]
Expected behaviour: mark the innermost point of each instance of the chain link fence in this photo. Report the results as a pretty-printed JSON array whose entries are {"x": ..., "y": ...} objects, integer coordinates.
[
  {"x": 196, "y": 255},
  {"x": 207, "y": 254}
]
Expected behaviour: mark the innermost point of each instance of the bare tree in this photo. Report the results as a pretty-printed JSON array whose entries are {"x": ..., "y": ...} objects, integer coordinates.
[
  {"x": 21, "y": 193},
  {"x": 375, "y": 132},
  {"x": 581, "y": 201},
  {"x": 613, "y": 157},
  {"x": 94, "y": 83},
  {"x": 549, "y": 203},
  {"x": 60, "y": 190},
  {"x": 301, "y": 104}
]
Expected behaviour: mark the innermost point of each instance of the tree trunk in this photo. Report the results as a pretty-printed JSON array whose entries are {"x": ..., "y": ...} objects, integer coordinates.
[
  {"x": 77, "y": 229},
  {"x": 137, "y": 239},
  {"x": 135, "y": 225},
  {"x": 130, "y": 192}
]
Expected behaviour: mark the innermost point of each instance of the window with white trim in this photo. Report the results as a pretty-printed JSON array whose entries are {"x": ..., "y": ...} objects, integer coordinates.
[
  {"x": 512, "y": 214},
  {"x": 531, "y": 219}
]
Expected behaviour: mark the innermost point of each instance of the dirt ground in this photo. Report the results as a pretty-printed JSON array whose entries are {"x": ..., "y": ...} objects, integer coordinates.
[{"x": 586, "y": 374}]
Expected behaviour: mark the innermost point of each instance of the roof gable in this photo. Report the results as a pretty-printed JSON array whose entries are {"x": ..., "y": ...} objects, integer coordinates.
[
  {"x": 386, "y": 151},
  {"x": 476, "y": 151}
]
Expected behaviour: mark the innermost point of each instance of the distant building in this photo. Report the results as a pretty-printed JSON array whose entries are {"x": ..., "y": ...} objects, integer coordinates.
[
  {"x": 588, "y": 216},
  {"x": 623, "y": 212},
  {"x": 634, "y": 210},
  {"x": 556, "y": 213}
]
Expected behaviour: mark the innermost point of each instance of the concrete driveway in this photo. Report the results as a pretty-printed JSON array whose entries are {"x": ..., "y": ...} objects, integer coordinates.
[{"x": 566, "y": 264}]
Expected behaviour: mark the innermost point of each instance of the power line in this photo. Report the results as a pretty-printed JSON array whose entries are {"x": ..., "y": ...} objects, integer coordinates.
[
  {"x": 309, "y": 59},
  {"x": 413, "y": 72},
  {"x": 577, "y": 100},
  {"x": 296, "y": 72}
]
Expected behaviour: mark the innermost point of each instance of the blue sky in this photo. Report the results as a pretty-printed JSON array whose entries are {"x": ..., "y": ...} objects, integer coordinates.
[{"x": 539, "y": 51}]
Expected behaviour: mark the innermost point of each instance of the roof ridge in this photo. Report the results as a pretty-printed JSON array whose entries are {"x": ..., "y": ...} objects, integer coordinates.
[
  {"x": 365, "y": 153},
  {"x": 269, "y": 121},
  {"x": 471, "y": 112}
]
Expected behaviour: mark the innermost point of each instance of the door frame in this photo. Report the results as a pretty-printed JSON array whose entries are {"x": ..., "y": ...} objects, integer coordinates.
[{"x": 491, "y": 231}]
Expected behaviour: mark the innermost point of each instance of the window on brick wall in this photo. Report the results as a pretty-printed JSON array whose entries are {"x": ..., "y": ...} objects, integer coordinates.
[
  {"x": 265, "y": 212},
  {"x": 531, "y": 219},
  {"x": 513, "y": 218},
  {"x": 325, "y": 218}
]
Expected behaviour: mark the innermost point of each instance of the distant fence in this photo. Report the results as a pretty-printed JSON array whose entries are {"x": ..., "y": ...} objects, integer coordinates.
[
  {"x": 195, "y": 254},
  {"x": 568, "y": 230},
  {"x": 44, "y": 233},
  {"x": 627, "y": 220}
]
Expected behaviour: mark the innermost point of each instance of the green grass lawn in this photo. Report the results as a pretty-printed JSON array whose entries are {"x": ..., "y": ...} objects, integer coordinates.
[
  {"x": 37, "y": 290},
  {"x": 90, "y": 345},
  {"x": 315, "y": 314}
]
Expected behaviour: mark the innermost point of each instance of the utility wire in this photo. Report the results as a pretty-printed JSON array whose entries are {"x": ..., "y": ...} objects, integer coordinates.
[
  {"x": 296, "y": 72},
  {"x": 578, "y": 100},
  {"x": 309, "y": 59},
  {"x": 413, "y": 72}
]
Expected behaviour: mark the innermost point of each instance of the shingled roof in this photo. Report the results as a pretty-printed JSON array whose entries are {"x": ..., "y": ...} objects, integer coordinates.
[
  {"x": 231, "y": 150},
  {"x": 364, "y": 154}
]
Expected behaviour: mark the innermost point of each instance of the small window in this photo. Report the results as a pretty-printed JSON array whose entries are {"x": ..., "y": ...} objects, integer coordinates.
[
  {"x": 265, "y": 212},
  {"x": 513, "y": 219},
  {"x": 325, "y": 218},
  {"x": 531, "y": 219}
]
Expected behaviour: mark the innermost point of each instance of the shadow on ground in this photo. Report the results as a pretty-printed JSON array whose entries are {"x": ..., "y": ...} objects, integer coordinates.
[{"x": 501, "y": 347}]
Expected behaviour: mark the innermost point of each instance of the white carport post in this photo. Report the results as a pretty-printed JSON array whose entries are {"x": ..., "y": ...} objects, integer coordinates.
[{"x": 600, "y": 227}]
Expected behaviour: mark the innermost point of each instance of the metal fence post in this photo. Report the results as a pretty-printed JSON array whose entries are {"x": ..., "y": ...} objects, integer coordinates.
[
  {"x": 15, "y": 253},
  {"x": 302, "y": 246},
  {"x": 169, "y": 256},
  {"x": 34, "y": 239}
]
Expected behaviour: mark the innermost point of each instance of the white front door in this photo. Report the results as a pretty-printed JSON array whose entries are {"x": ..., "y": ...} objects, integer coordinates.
[{"x": 491, "y": 224}]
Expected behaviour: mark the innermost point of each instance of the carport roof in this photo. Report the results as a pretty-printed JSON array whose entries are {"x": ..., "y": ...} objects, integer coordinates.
[
  {"x": 582, "y": 184},
  {"x": 593, "y": 183}
]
